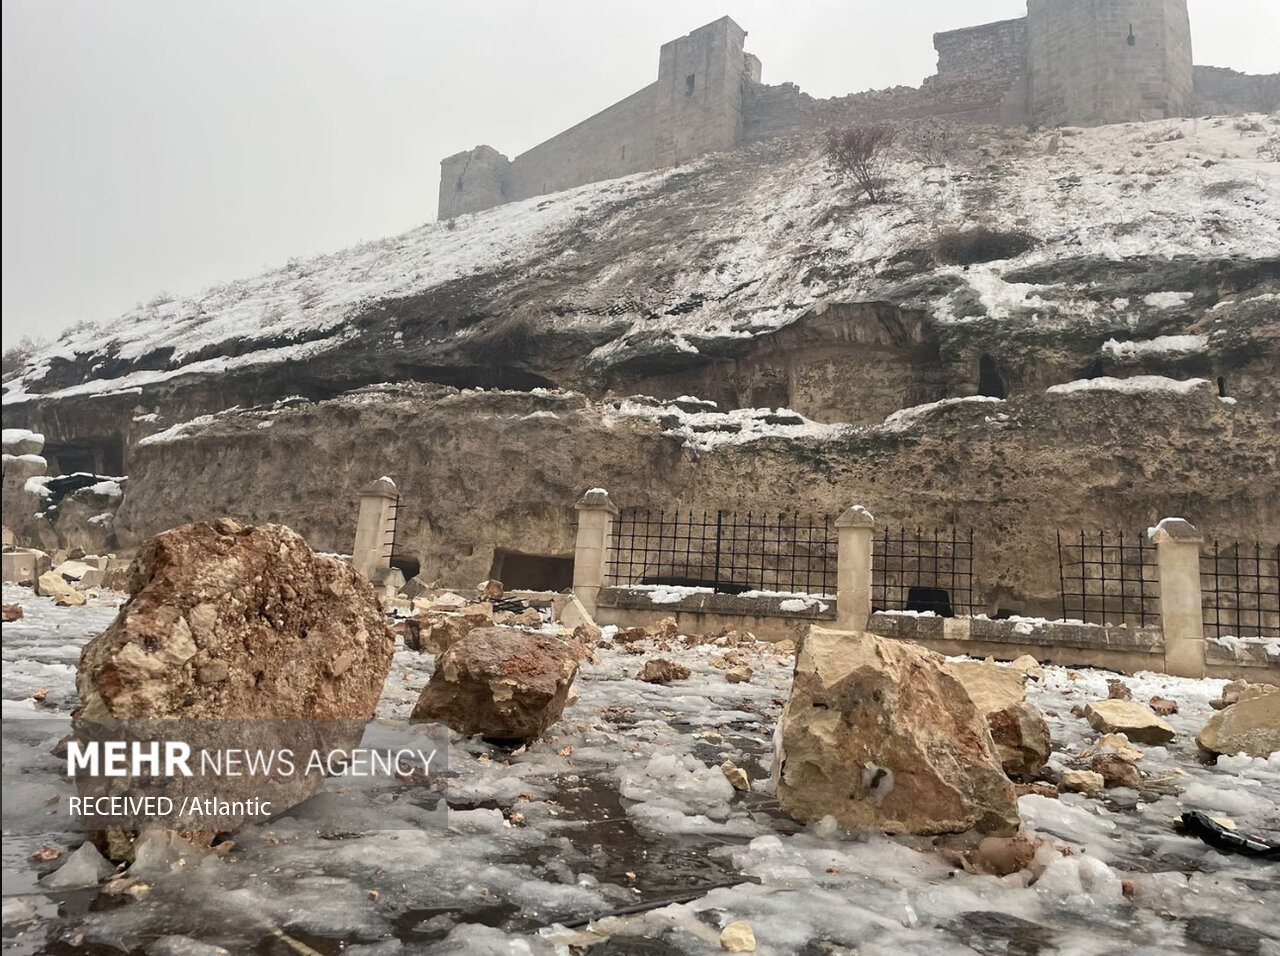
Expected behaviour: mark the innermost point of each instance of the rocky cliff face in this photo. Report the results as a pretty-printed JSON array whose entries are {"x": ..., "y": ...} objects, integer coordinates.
[{"x": 489, "y": 472}]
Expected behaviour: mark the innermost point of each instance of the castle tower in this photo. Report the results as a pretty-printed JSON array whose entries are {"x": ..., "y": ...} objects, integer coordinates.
[
  {"x": 472, "y": 180},
  {"x": 1092, "y": 62},
  {"x": 698, "y": 102}
]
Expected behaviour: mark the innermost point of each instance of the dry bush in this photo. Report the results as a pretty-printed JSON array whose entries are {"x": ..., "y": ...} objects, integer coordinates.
[
  {"x": 860, "y": 154},
  {"x": 934, "y": 143},
  {"x": 965, "y": 247},
  {"x": 16, "y": 356}
]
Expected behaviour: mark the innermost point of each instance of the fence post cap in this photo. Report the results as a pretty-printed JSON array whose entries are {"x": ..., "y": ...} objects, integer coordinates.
[
  {"x": 856, "y": 517},
  {"x": 596, "y": 499},
  {"x": 1175, "y": 529},
  {"x": 384, "y": 487}
]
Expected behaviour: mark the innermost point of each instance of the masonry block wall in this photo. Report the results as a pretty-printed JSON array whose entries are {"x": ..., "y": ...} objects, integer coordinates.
[
  {"x": 1081, "y": 62},
  {"x": 1108, "y": 61}
]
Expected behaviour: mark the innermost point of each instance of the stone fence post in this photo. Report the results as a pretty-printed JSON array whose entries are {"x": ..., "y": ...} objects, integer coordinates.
[
  {"x": 595, "y": 527},
  {"x": 1181, "y": 614},
  {"x": 375, "y": 525},
  {"x": 854, "y": 530}
]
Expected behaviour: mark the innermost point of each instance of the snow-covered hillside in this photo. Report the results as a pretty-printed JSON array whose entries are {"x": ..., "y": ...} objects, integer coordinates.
[{"x": 732, "y": 247}]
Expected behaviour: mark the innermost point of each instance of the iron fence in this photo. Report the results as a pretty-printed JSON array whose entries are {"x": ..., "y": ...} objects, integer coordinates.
[
  {"x": 729, "y": 552},
  {"x": 1107, "y": 578},
  {"x": 923, "y": 571},
  {"x": 1240, "y": 590}
]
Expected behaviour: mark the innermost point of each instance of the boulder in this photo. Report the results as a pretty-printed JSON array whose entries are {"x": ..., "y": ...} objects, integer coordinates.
[
  {"x": 1250, "y": 726},
  {"x": 1118, "y": 690},
  {"x": 1162, "y": 706},
  {"x": 1116, "y": 771},
  {"x": 51, "y": 584},
  {"x": 659, "y": 671},
  {"x": 12, "y": 612},
  {"x": 1019, "y": 730},
  {"x": 571, "y": 613},
  {"x": 500, "y": 682},
  {"x": 738, "y": 675},
  {"x": 877, "y": 733},
  {"x": 232, "y": 621},
  {"x": 1021, "y": 737},
  {"x": 490, "y": 590},
  {"x": 436, "y": 631},
  {"x": 1028, "y": 666},
  {"x": 415, "y": 587},
  {"x": 738, "y": 937},
  {"x": 1088, "y": 782},
  {"x": 1238, "y": 690},
  {"x": 1133, "y": 720},
  {"x": 300, "y": 634}
]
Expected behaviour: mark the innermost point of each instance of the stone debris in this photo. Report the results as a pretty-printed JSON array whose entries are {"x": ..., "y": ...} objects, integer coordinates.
[
  {"x": 12, "y": 612},
  {"x": 490, "y": 590},
  {"x": 1133, "y": 720},
  {"x": 1163, "y": 707},
  {"x": 1000, "y": 856},
  {"x": 1088, "y": 782},
  {"x": 1238, "y": 690},
  {"x": 736, "y": 776},
  {"x": 51, "y": 584},
  {"x": 738, "y": 675},
  {"x": 1118, "y": 690},
  {"x": 501, "y": 683},
  {"x": 1029, "y": 667},
  {"x": 879, "y": 734},
  {"x": 435, "y": 632},
  {"x": 1249, "y": 726},
  {"x": 658, "y": 670},
  {"x": 738, "y": 937},
  {"x": 1117, "y": 744},
  {"x": 1116, "y": 771}
]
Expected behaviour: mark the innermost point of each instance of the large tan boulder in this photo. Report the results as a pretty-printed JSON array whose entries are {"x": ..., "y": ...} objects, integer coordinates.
[
  {"x": 51, "y": 584},
  {"x": 1138, "y": 723},
  {"x": 229, "y": 621},
  {"x": 878, "y": 734},
  {"x": 437, "y": 631},
  {"x": 501, "y": 682},
  {"x": 1019, "y": 730},
  {"x": 1249, "y": 726}
]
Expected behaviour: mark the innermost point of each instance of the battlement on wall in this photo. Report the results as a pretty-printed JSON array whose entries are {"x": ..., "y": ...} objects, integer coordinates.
[{"x": 1078, "y": 62}]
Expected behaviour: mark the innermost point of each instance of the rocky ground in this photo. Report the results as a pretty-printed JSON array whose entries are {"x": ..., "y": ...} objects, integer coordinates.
[{"x": 622, "y": 814}]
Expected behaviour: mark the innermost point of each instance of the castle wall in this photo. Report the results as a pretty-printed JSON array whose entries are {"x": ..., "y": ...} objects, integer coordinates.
[
  {"x": 617, "y": 141},
  {"x": 1085, "y": 70},
  {"x": 1221, "y": 91}
]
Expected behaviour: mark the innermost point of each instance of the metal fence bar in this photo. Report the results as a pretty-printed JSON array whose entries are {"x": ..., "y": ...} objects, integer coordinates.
[
  {"x": 1240, "y": 590},
  {"x": 1105, "y": 579}
]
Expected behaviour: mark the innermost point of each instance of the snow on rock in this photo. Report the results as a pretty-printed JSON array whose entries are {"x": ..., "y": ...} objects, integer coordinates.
[
  {"x": 906, "y": 418},
  {"x": 1161, "y": 345},
  {"x": 1167, "y": 300},
  {"x": 1138, "y": 384}
]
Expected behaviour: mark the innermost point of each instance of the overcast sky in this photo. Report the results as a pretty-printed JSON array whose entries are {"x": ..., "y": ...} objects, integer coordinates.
[{"x": 165, "y": 145}]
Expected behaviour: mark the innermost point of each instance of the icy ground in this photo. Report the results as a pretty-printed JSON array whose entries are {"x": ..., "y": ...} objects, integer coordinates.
[{"x": 625, "y": 805}]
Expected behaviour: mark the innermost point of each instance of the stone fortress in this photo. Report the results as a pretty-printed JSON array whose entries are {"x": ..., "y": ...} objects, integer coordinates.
[{"x": 1067, "y": 62}]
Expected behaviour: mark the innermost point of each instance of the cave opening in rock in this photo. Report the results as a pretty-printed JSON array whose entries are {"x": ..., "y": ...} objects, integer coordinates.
[
  {"x": 96, "y": 456},
  {"x": 532, "y": 572},
  {"x": 990, "y": 384},
  {"x": 937, "y": 600},
  {"x": 409, "y": 565}
]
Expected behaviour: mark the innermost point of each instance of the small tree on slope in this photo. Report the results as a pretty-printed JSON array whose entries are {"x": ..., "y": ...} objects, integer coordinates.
[{"x": 860, "y": 153}]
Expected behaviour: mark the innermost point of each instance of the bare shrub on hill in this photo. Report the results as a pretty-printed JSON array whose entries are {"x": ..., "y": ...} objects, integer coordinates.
[{"x": 861, "y": 154}]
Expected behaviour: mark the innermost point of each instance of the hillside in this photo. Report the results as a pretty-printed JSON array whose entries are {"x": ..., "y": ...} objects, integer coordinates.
[{"x": 1141, "y": 231}]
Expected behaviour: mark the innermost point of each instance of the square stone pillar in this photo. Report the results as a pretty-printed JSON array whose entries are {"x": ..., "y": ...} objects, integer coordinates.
[
  {"x": 595, "y": 529},
  {"x": 1181, "y": 613},
  {"x": 375, "y": 525},
  {"x": 854, "y": 530}
]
